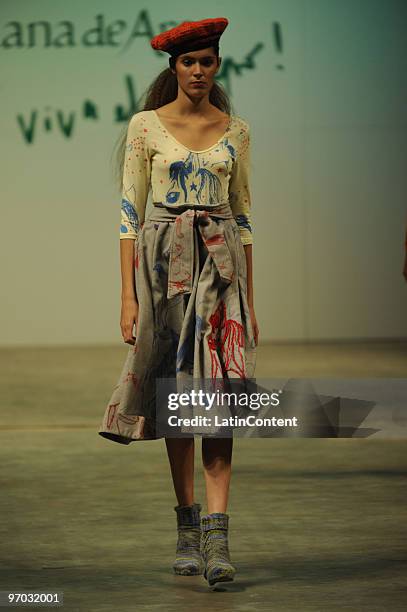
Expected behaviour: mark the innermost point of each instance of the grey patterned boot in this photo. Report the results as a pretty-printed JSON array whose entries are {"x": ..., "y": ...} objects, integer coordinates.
[
  {"x": 215, "y": 548},
  {"x": 188, "y": 560}
]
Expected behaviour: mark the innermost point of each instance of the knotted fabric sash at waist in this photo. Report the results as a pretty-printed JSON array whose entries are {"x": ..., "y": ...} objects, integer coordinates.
[{"x": 181, "y": 262}]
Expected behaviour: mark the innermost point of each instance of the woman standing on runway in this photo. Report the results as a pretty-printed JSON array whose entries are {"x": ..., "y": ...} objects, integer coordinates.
[{"x": 186, "y": 273}]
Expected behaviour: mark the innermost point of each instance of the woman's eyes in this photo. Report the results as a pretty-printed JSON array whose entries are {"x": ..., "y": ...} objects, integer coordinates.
[{"x": 205, "y": 62}]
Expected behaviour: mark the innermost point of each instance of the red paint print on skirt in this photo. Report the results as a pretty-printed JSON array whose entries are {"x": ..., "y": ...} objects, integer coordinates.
[{"x": 227, "y": 335}]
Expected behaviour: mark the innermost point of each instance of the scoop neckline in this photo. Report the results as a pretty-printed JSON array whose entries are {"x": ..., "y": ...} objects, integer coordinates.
[{"x": 186, "y": 148}]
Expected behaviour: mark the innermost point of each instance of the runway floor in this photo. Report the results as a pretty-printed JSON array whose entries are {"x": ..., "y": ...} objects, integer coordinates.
[{"x": 315, "y": 524}]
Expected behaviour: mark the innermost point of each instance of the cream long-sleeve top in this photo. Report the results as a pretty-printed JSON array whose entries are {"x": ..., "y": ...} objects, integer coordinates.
[{"x": 177, "y": 175}]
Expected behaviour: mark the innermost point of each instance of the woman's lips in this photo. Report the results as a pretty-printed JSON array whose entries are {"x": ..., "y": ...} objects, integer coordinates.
[{"x": 198, "y": 83}]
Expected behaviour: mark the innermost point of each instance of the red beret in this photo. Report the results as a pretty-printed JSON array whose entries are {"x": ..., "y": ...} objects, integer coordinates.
[{"x": 189, "y": 35}]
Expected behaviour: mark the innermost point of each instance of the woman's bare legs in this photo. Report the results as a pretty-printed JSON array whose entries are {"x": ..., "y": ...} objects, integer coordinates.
[
  {"x": 217, "y": 463},
  {"x": 181, "y": 453}
]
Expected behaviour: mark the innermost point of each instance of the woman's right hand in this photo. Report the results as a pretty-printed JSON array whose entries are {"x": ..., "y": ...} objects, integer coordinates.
[{"x": 129, "y": 319}]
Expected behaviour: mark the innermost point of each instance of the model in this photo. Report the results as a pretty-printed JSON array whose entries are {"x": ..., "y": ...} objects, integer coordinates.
[{"x": 186, "y": 273}]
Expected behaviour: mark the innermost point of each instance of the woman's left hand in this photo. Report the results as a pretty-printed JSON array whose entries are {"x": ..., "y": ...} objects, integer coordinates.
[{"x": 255, "y": 327}]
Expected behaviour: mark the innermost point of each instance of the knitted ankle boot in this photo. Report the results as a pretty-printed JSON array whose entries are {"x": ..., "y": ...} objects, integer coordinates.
[
  {"x": 188, "y": 560},
  {"x": 215, "y": 548}
]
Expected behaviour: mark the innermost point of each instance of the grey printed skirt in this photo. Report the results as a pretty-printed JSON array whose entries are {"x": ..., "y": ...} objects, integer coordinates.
[{"x": 191, "y": 284}]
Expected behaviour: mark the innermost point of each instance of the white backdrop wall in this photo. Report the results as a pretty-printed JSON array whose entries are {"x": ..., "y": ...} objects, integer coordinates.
[{"x": 327, "y": 114}]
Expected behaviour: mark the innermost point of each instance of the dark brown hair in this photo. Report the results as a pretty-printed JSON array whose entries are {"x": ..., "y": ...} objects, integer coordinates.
[{"x": 162, "y": 90}]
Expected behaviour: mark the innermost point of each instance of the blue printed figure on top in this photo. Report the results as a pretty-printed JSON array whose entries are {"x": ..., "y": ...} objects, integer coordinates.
[
  {"x": 130, "y": 215},
  {"x": 243, "y": 221}
]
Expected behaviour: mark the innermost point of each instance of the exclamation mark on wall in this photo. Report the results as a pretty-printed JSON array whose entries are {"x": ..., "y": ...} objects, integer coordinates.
[{"x": 278, "y": 41}]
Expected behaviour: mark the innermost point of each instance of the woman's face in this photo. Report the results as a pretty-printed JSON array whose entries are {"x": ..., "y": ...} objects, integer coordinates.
[{"x": 197, "y": 67}]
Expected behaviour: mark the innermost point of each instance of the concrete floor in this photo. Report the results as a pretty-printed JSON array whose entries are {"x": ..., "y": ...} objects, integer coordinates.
[{"x": 315, "y": 524}]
